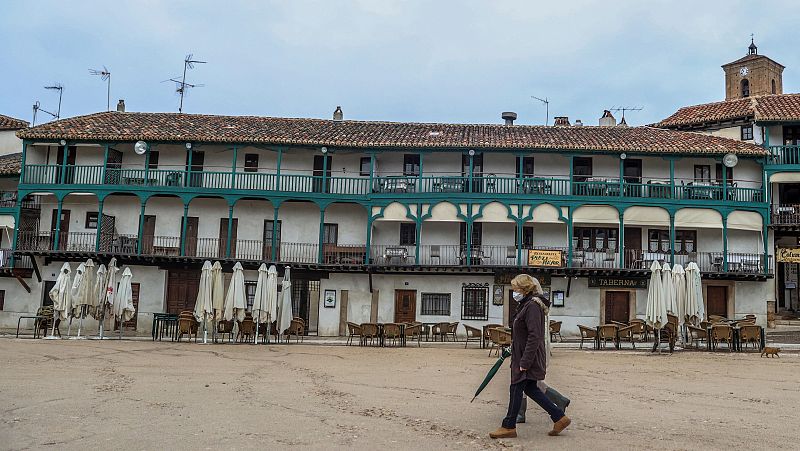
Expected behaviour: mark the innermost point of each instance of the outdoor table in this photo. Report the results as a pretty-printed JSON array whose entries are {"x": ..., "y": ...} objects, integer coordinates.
[
  {"x": 382, "y": 336},
  {"x": 427, "y": 328},
  {"x": 163, "y": 321},
  {"x": 33, "y": 317}
]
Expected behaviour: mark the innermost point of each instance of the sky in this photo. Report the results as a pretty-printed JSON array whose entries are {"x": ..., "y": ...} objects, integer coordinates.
[{"x": 420, "y": 61}]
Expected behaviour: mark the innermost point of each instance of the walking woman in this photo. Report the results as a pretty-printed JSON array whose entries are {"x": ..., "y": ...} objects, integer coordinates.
[{"x": 528, "y": 357}]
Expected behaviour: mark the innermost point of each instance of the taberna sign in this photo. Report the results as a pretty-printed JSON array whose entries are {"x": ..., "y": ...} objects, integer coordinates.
[
  {"x": 616, "y": 282},
  {"x": 788, "y": 254}
]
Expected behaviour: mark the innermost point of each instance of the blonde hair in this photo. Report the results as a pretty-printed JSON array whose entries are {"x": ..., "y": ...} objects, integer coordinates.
[{"x": 526, "y": 284}]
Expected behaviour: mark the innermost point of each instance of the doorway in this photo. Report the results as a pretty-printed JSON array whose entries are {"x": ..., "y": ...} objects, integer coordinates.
[
  {"x": 405, "y": 306},
  {"x": 64, "y": 232},
  {"x": 182, "y": 286},
  {"x": 223, "y": 237},
  {"x": 632, "y": 174},
  {"x": 148, "y": 234},
  {"x": 717, "y": 300},
  {"x": 68, "y": 176},
  {"x": 477, "y": 171},
  {"x": 322, "y": 165},
  {"x": 198, "y": 160},
  {"x": 633, "y": 246},
  {"x": 191, "y": 235},
  {"x": 618, "y": 306}
]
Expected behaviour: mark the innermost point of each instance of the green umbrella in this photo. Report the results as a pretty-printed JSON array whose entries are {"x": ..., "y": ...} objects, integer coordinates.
[{"x": 492, "y": 371}]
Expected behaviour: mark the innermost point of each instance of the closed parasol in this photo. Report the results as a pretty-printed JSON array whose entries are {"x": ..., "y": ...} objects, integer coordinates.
[
  {"x": 656, "y": 309},
  {"x": 235, "y": 301},
  {"x": 123, "y": 307},
  {"x": 203, "y": 307},
  {"x": 285, "y": 307},
  {"x": 217, "y": 290},
  {"x": 61, "y": 295}
]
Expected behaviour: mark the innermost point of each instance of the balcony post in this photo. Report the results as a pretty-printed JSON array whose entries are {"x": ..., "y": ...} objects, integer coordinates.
[
  {"x": 371, "y": 172},
  {"x": 183, "y": 228},
  {"x": 99, "y": 224},
  {"x": 725, "y": 242},
  {"x": 58, "y": 224},
  {"x": 417, "y": 236},
  {"x": 147, "y": 166},
  {"x": 765, "y": 194},
  {"x": 621, "y": 176},
  {"x": 274, "y": 245},
  {"x": 325, "y": 172},
  {"x": 22, "y": 163},
  {"x": 471, "y": 188},
  {"x": 367, "y": 251},
  {"x": 321, "y": 233},
  {"x": 62, "y": 178},
  {"x": 621, "y": 240},
  {"x": 105, "y": 165},
  {"x": 765, "y": 239},
  {"x": 230, "y": 232},
  {"x": 233, "y": 184},
  {"x": 571, "y": 188},
  {"x": 672, "y": 239},
  {"x": 673, "y": 188},
  {"x": 724, "y": 182},
  {"x": 419, "y": 176},
  {"x": 278, "y": 171},
  {"x": 188, "y": 171},
  {"x": 139, "y": 237}
]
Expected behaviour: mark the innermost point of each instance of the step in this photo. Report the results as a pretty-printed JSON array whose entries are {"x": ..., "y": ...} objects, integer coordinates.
[{"x": 787, "y": 322}]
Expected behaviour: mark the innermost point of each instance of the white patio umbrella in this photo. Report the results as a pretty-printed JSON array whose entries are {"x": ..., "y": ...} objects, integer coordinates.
[
  {"x": 679, "y": 282},
  {"x": 694, "y": 292},
  {"x": 217, "y": 290},
  {"x": 260, "y": 311},
  {"x": 110, "y": 291},
  {"x": 204, "y": 307},
  {"x": 656, "y": 310},
  {"x": 272, "y": 294},
  {"x": 669, "y": 288},
  {"x": 235, "y": 300},
  {"x": 285, "y": 306},
  {"x": 99, "y": 292},
  {"x": 61, "y": 295},
  {"x": 82, "y": 286},
  {"x": 123, "y": 307}
]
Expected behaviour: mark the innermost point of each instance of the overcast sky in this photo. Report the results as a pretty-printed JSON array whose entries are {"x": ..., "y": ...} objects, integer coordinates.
[{"x": 426, "y": 61}]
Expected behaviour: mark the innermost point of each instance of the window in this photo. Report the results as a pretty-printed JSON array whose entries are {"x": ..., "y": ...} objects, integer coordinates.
[
  {"x": 152, "y": 160},
  {"x": 474, "y": 301},
  {"x": 408, "y": 234},
  {"x": 728, "y": 173},
  {"x": 91, "y": 220},
  {"x": 411, "y": 164},
  {"x": 527, "y": 167},
  {"x": 774, "y": 91},
  {"x": 477, "y": 233},
  {"x": 685, "y": 241},
  {"x": 269, "y": 227},
  {"x": 581, "y": 168},
  {"x": 3, "y": 300},
  {"x": 250, "y": 292},
  {"x": 745, "y": 88},
  {"x": 436, "y": 304},
  {"x": 595, "y": 239},
  {"x": 791, "y": 135},
  {"x": 658, "y": 241},
  {"x": 364, "y": 167},
  {"x": 251, "y": 162},
  {"x": 330, "y": 234},
  {"x": 702, "y": 173},
  {"x": 527, "y": 236},
  {"x": 747, "y": 132}
]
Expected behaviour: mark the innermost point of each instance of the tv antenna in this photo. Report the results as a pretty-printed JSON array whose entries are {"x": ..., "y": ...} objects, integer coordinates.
[
  {"x": 105, "y": 75},
  {"x": 188, "y": 63},
  {"x": 37, "y": 108},
  {"x": 60, "y": 89},
  {"x": 624, "y": 109},
  {"x": 546, "y": 103}
]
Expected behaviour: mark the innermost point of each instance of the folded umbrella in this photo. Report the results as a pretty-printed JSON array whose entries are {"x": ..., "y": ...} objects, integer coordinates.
[{"x": 492, "y": 371}]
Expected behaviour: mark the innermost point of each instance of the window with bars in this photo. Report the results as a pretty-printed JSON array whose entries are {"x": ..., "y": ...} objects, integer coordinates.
[
  {"x": 527, "y": 236},
  {"x": 475, "y": 301},
  {"x": 685, "y": 241},
  {"x": 152, "y": 160},
  {"x": 330, "y": 234},
  {"x": 595, "y": 239},
  {"x": 408, "y": 234},
  {"x": 91, "y": 220},
  {"x": 436, "y": 304}
]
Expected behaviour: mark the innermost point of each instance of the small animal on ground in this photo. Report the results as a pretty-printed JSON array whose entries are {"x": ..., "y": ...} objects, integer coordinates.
[{"x": 769, "y": 352}]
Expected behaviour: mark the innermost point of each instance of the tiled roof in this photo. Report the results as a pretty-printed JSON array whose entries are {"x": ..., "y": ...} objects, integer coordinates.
[
  {"x": 10, "y": 123},
  {"x": 750, "y": 58},
  {"x": 778, "y": 107},
  {"x": 10, "y": 164},
  {"x": 116, "y": 126}
]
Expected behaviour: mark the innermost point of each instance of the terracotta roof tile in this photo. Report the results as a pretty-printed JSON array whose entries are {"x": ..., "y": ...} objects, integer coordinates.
[
  {"x": 10, "y": 164},
  {"x": 778, "y": 107},
  {"x": 116, "y": 126},
  {"x": 10, "y": 123}
]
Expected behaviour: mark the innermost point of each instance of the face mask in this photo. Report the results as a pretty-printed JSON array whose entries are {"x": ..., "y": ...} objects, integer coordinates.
[{"x": 517, "y": 296}]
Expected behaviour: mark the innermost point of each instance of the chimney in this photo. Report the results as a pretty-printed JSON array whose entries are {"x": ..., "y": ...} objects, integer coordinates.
[
  {"x": 607, "y": 120},
  {"x": 578, "y": 123},
  {"x": 509, "y": 117},
  {"x": 561, "y": 121},
  {"x": 338, "y": 115},
  {"x": 121, "y": 105}
]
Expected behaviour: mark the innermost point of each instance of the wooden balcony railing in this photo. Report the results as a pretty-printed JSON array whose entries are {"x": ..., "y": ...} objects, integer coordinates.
[
  {"x": 785, "y": 215},
  {"x": 784, "y": 155}
]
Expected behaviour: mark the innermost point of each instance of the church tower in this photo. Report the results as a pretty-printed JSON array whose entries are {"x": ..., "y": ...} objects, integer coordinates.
[{"x": 752, "y": 75}]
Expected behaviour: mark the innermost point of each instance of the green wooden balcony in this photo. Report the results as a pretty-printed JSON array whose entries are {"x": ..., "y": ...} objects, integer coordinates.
[{"x": 784, "y": 155}]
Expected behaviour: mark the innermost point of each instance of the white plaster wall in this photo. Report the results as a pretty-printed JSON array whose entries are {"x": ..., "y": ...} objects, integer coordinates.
[
  {"x": 88, "y": 155},
  {"x": 209, "y": 213},
  {"x": 549, "y": 235},
  {"x": 498, "y": 233},
  {"x": 300, "y": 222},
  {"x": 251, "y": 215},
  {"x": 352, "y": 221},
  {"x": 745, "y": 241},
  {"x": 500, "y": 164},
  {"x": 550, "y": 165},
  {"x": 654, "y": 168},
  {"x": 9, "y": 143},
  {"x": 125, "y": 210},
  {"x": 775, "y": 135},
  {"x": 709, "y": 240},
  {"x": 604, "y": 166},
  {"x": 391, "y": 163},
  {"x": 442, "y": 163},
  {"x": 734, "y": 133},
  {"x": 444, "y": 233},
  {"x": 752, "y": 298}
]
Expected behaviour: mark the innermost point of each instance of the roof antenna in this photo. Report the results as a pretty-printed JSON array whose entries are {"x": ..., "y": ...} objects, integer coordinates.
[
  {"x": 105, "y": 75},
  {"x": 37, "y": 108},
  {"x": 624, "y": 109},
  {"x": 546, "y": 103},
  {"x": 60, "y": 88},
  {"x": 181, "y": 85}
]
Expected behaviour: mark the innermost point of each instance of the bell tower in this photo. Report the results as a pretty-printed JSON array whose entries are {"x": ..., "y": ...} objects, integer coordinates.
[{"x": 752, "y": 75}]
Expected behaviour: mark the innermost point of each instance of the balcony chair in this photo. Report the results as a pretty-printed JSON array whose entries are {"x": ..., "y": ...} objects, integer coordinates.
[
  {"x": 609, "y": 259},
  {"x": 491, "y": 183},
  {"x": 717, "y": 263}
]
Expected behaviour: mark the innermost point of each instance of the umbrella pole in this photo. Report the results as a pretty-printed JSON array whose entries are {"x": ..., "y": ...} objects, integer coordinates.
[
  {"x": 80, "y": 324},
  {"x": 205, "y": 328},
  {"x": 69, "y": 327},
  {"x": 53, "y": 331},
  {"x": 255, "y": 341},
  {"x": 102, "y": 320}
]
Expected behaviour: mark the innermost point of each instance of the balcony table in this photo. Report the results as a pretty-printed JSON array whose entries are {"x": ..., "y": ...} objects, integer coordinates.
[
  {"x": 397, "y": 185},
  {"x": 140, "y": 181},
  {"x": 658, "y": 189},
  {"x": 536, "y": 186},
  {"x": 449, "y": 185},
  {"x": 399, "y": 253}
]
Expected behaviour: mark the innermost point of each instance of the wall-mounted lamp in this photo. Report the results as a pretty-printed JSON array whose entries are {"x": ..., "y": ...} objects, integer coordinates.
[
  {"x": 188, "y": 145},
  {"x": 623, "y": 156},
  {"x": 471, "y": 153},
  {"x": 324, "y": 150},
  {"x": 63, "y": 142}
]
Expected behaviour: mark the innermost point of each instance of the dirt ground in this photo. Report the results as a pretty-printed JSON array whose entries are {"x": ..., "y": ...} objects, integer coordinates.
[{"x": 71, "y": 394}]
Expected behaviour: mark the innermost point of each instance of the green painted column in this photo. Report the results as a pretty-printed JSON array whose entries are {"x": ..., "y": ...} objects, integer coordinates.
[
  {"x": 419, "y": 176},
  {"x": 99, "y": 225},
  {"x": 673, "y": 188},
  {"x": 371, "y": 172},
  {"x": 230, "y": 232},
  {"x": 58, "y": 225},
  {"x": 571, "y": 187},
  {"x": 188, "y": 168},
  {"x": 147, "y": 166},
  {"x": 22, "y": 162},
  {"x": 65, "y": 152},
  {"x": 139, "y": 237},
  {"x": 621, "y": 176},
  {"x": 183, "y": 228},
  {"x": 672, "y": 239},
  {"x": 418, "y": 236},
  {"x": 765, "y": 239},
  {"x": 725, "y": 242},
  {"x": 621, "y": 240},
  {"x": 278, "y": 171},
  {"x": 325, "y": 172},
  {"x": 724, "y": 182},
  {"x": 471, "y": 171},
  {"x": 368, "y": 251},
  {"x": 233, "y": 179},
  {"x": 321, "y": 234},
  {"x": 274, "y": 245},
  {"x": 765, "y": 189}
]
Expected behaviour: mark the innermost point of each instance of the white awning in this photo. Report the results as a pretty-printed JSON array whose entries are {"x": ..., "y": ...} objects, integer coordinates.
[
  {"x": 785, "y": 177},
  {"x": 596, "y": 214},
  {"x": 7, "y": 221},
  {"x": 494, "y": 212},
  {"x": 698, "y": 218},
  {"x": 646, "y": 216},
  {"x": 745, "y": 220}
]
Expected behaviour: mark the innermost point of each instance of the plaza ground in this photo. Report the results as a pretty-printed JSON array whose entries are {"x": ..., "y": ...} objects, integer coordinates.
[{"x": 136, "y": 394}]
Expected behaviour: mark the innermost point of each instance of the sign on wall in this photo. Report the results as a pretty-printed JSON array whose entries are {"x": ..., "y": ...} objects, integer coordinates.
[
  {"x": 788, "y": 254},
  {"x": 616, "y": 282},
  {"x": 545, "y": 258}
]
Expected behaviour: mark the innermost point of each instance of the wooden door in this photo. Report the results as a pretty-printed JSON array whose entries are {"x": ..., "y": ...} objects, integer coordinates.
[
  {"x": 632, "y": 171},
  {"x": 69, "y": 170},
  {"x": 223, "y": 237},
  {"x": 113, "y": 167},
  {"x": 321, "y": 166},
  {"x": 198, "y": 160},
  {"x": 271, "y": 227},
  {"x": 633, "y": 246},
  {"x": 64, "y": 233},
  {"x": 182, "y": 289},
  {"x": 717, "y": 301},
  {"x": 148, "y": 234},
  {"x": 191, "y": 235},
  {"x": 405, "y": 306},
  {"x": 617, "y": 306}
]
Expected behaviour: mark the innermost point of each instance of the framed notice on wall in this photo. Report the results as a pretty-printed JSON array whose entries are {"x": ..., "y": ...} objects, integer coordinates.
[
  {"x": 329, "y": 300},
  {"x": 497, "y": 295},
  {"x": 558, "y": 299}
]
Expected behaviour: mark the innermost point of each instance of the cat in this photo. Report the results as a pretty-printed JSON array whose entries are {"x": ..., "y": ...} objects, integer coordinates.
[{"x": 769, "y": 352}]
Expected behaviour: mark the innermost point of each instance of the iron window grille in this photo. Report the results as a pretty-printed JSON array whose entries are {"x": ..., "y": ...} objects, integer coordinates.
[
  {"x": 436, "y": 304},
  {"x": 475, "y": 301}
]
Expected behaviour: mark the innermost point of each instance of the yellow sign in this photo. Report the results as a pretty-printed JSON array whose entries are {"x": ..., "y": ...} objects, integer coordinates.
[
  {"x": 789, "y": 254},
  {"x": 537, "y": 257}
]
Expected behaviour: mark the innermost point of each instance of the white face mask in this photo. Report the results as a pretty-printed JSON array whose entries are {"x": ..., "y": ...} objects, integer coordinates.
[{"x": 517, "y": 296}]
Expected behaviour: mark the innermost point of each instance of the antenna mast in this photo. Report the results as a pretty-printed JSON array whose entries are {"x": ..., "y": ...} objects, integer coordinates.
[
  {"x": 60, "y": 89},
  {"x": 624, "y": 109},
  {"x": 105, "y": 75},
  {"x": 546, "y": 103},
  {"x": 188, "y": 63}
]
